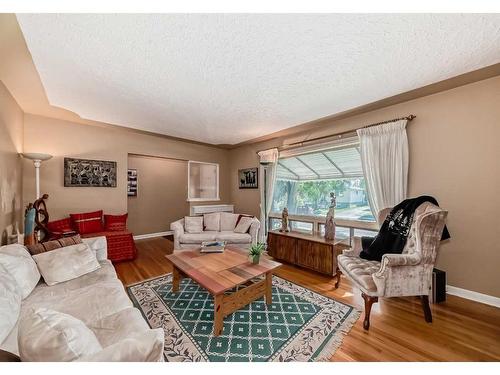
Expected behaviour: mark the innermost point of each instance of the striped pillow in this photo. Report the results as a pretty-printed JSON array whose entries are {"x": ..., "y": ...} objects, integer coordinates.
[
  {"x": 89, "y": 222},
  {"x": 43, "y": 247}
]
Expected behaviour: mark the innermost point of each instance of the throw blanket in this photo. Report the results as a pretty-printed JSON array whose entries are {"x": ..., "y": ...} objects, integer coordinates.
[{"x": 391, "y": 238}]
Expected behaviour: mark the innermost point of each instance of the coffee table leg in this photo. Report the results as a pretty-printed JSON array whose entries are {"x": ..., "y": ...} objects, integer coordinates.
[
  {"x": 176, "y": 279},
  {"x": 269, "y": 288},
  {"x": 218, "y": 315}
]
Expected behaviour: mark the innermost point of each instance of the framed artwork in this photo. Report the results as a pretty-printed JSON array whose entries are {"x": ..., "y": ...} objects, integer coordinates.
[
  {"x": 132, "y": 182},
  {"x": 203, "y": 181},
  {"x": 89, "y": 173},
  {"x": 248, "y": 178}
]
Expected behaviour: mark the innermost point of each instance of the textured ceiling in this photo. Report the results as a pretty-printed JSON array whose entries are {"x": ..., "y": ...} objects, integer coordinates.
[{"x": 224, "y": 79}]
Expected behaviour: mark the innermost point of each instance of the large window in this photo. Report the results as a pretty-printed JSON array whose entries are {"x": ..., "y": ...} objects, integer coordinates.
[{"x": 305, "y": 181}]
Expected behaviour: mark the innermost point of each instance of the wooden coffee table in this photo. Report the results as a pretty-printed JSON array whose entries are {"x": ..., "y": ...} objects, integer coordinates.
[{"x": 221, "y": 272}]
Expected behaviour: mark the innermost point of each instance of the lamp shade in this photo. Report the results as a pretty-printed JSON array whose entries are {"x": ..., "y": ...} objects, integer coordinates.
[{"x": 36, "y": 156}]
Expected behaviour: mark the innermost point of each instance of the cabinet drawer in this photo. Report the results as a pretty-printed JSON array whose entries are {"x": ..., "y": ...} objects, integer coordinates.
[
  {"x": 316, "y": 256},
  {"x": 282, "y": 247}
]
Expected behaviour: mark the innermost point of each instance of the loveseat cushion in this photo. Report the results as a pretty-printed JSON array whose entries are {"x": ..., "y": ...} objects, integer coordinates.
[
  {"x": 232, "y": 237},
  {"x": 360, "y": 270},
  {"x": 144, "y": 346},
  {"x": 118, "y": 326},
  {"x": 198, "y": 238},
  {"x": 18, "y": 263},
  {"x": 228, "y": 221},
  {"x": 243, "y": 225},
  {"x": 211, "y": 222},
  {"x": 89, "y": 304},
  {"x": 193, "y": 224},
  {"x": 49, "y": 335}
]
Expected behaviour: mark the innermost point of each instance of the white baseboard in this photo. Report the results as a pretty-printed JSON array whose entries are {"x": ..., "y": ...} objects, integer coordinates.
[
  {"x": 153, "y": 235},
  {"x": 474, "y": 296}
]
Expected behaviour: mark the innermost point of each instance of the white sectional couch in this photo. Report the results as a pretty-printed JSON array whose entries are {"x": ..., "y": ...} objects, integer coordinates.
[
  {"x": 222, "y": 232},
  {"x": 97, "y": 298}
]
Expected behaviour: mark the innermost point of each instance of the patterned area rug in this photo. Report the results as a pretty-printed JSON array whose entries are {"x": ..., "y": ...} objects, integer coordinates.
[{"x": 300, "y": 325}]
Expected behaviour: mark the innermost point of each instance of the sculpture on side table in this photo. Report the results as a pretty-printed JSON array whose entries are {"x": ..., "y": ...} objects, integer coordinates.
[
  {"x": 284, "y": 221},
  {"x": 41, "y": 218},
  {"x": 29, "y": 225},
  {"x": 330, "y": 219}
]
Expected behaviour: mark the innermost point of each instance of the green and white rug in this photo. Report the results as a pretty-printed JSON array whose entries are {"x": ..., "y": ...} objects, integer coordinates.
[{"x": 300, "y": 325}]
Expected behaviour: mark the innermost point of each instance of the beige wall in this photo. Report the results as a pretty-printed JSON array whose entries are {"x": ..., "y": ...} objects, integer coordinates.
[
  {"x": 161, "y": 194},
  {"x": 454, "y": 156},
  {"x": 68, "y": 139},
  {"x": 11, "y": 143}
]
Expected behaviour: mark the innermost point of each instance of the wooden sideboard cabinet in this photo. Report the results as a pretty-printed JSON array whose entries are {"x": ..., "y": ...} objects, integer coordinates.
[{"x": 306, "y": 250}]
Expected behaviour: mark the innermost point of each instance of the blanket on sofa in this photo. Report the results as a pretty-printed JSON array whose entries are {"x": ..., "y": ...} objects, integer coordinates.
[{"x": 391, "y": 239}]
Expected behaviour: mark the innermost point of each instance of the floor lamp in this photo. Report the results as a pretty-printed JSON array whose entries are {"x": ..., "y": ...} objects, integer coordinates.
[{"x": 37, "y": 161}]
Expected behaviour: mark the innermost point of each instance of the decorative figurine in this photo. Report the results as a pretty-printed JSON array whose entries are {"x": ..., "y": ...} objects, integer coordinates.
[
  {"x": 284, "y": 221},
  {"x": 330, "y": 219}
]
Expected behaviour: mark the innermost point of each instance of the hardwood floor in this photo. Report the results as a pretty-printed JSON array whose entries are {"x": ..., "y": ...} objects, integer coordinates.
[{"x": 462, "y": 330}]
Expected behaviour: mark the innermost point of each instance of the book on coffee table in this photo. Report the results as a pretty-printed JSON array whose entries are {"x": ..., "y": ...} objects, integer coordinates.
[{"x": 213, "y": 246}]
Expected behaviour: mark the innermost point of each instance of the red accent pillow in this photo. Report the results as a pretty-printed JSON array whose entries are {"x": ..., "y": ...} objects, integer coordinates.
[
  {"x": 115, "y": 223},
  {"x": 88, "y": 222},
  {"x": 60, "y": 226}
]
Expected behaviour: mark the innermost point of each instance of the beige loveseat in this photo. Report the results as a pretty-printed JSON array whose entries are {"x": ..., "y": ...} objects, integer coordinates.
[
  {"x": 98, "y": 299},
  {"x": 224, "y": 232}
]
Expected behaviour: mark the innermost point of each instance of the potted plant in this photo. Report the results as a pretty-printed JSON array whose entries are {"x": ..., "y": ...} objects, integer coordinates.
[{"x": 255, "y": 251}]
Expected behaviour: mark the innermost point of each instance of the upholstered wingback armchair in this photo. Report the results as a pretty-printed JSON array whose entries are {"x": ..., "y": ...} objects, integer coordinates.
[{"x": 397, "y": 275}]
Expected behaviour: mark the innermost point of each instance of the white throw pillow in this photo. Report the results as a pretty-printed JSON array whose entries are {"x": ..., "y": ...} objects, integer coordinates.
[
  {"x": 18, "y": 262},
  {"x": 228, "y": 221},
  {"x": 146, "y": 346},
  {"x": 51, "y": 336},
  {"x": 10, "y": 303},
  {"x": 66, "y": 263},
  {"x": 212, "y": 221},
  {"x": 243, "y": 225},
  {"x": 193, "y": 224}
]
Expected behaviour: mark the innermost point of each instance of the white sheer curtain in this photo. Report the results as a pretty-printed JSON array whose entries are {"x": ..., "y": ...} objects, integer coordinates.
[
  {"x": 267, "y": 177},
  {"x": 384, "y": 157}
]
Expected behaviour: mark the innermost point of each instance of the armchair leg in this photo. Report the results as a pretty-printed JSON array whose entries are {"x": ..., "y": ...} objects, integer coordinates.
[
  {"x": 369, "y": 301},
  {"x": 337, "y": 275},
  {"x": 427, "y": 309}
]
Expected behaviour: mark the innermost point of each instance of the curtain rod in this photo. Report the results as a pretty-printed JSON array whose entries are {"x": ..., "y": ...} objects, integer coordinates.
[{"x": 300, "y": 143}]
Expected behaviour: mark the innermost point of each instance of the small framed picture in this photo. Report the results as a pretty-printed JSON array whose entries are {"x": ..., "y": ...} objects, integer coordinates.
[
  {"x": 132, "y": 183},
  {"x": 248, "y": 178}
]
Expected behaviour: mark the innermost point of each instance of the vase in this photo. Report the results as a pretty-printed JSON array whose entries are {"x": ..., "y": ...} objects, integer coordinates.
[{"x": 256, "y": 259}]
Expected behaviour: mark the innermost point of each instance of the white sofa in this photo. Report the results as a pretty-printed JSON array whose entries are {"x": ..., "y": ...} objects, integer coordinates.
[
  {"x": 225, "y": 232},
  {"x": 97, "y": 298}
]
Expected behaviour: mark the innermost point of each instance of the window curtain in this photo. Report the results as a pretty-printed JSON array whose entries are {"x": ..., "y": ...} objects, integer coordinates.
[
  {"x": 267, "y": 171},
  {"x": 384, "y": 158}
]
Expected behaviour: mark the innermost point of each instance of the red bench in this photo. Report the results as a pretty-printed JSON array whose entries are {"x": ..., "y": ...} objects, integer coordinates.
[{"x": 121, "y": 245}]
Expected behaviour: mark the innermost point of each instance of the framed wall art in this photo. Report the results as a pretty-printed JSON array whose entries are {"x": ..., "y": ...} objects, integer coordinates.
[
  {"x": 89, "y": 173},
  {"x": 248, "y": 178},
  {"x": 132, "y": 182}
]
